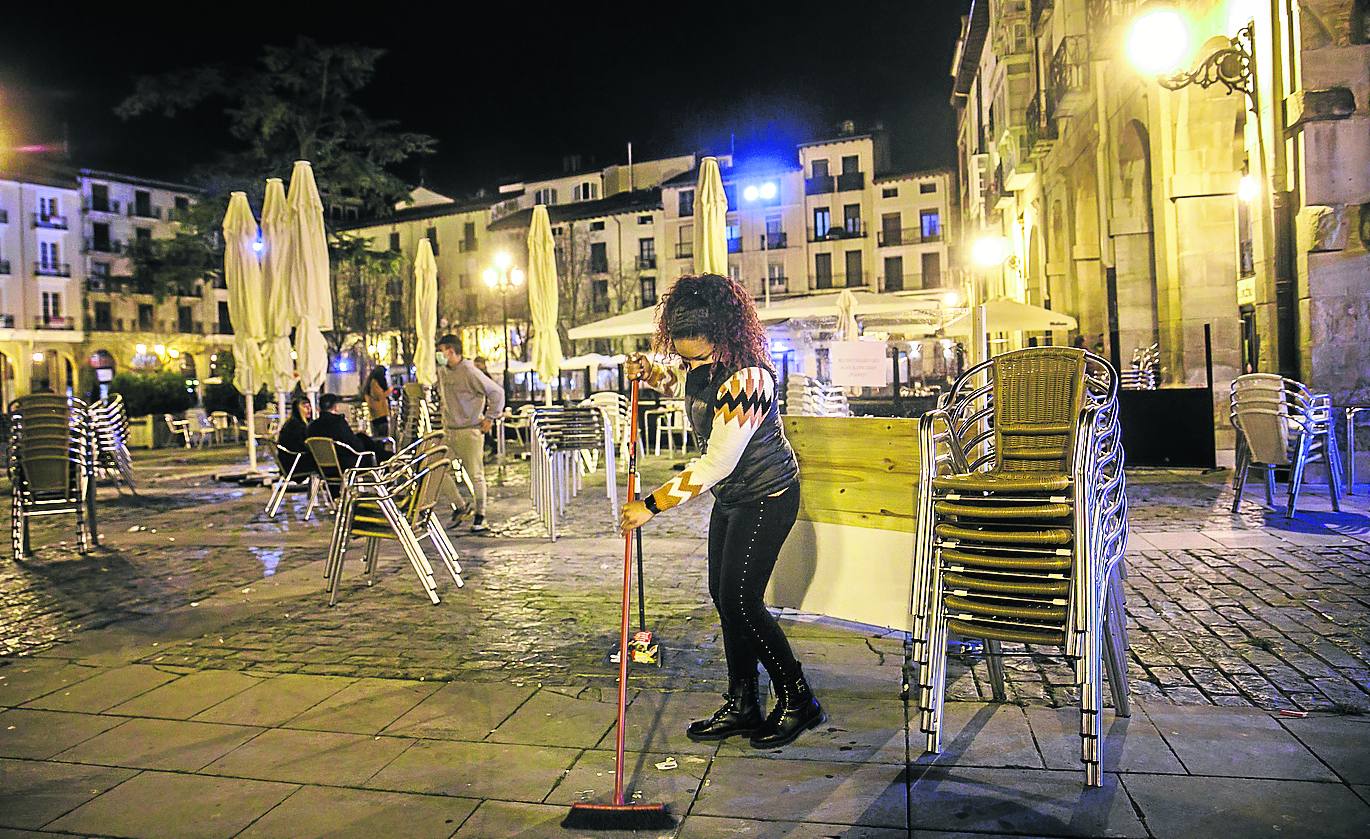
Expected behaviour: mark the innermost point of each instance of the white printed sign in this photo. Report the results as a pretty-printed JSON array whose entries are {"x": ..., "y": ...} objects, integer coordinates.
[{"x": 859, "y": 364}]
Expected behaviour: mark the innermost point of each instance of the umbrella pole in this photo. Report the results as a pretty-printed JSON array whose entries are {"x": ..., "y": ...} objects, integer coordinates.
[{"x": 251, "y": 425}]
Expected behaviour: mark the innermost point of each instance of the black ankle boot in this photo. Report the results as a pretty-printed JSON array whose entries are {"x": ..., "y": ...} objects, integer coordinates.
[
  {"x": 740, "y": 714},
  {"x": 796, "y": 711}
]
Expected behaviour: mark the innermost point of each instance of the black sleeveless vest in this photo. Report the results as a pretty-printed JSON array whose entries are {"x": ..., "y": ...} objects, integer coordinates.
[{"x": 767, "y": 465}]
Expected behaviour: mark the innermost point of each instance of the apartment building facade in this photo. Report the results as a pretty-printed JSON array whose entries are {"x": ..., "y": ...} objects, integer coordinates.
[
  {"x": 126, "y": 326},
  {"x": 41, "y": 277},
  {"x": 1157, "y": 213}
]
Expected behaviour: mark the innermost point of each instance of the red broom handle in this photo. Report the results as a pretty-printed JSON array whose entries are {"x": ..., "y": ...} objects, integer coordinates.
[{"x": 627, "y": 590}]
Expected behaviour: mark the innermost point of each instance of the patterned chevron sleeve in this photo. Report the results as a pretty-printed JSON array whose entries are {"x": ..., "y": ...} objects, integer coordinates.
[
  {"x": 666, "y": 380},
  {"x": 743, "y": 401}
]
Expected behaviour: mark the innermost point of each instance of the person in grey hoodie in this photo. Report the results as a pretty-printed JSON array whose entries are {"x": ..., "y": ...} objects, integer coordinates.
[{"x": 470, "y": 403}]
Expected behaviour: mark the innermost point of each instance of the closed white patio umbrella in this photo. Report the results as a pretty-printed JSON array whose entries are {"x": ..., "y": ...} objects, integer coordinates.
[
  {"x": 425, "y": 314},
  {"x": 846, "y": 316},
  {"x": 278, "y": 367},
  {"x": 311, "y": 299},
  {"x": 1005, "y": 315},
  {"x": 710, "y": 220},
  {"x": 243, "y": 276},
  {"x": 542, "y": 298}
]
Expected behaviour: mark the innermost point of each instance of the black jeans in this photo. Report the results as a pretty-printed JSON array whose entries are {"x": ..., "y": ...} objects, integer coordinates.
[{"x": 744, "y": 542}]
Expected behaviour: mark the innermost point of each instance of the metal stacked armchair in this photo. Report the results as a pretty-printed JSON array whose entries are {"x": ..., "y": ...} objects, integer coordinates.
[
  {"x": 809, "y": 397},
  {"x": 560, "y": 439},
  {"x": 1021, "y": 528},
  {"x": 415, "y": 414},
  {"x": 1145, "y": 370},
  {"x": 52, "y": 466},
  {"x": 109, "y": 420},
  {"x": 1280, "y": 422},
  {"x": 395, "y": 501}
]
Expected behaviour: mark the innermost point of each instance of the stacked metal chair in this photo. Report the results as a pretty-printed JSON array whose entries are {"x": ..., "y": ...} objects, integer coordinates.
[
  {"x": 294, "y": 466},
  {"x": 560, "y": 436},
  {"x": 416, "y": 414},
  {"x": 109, "y": 420},
  {"x": 808, "y": 397},
  {"x": 1145, "y": 370},
  {"x": 395, "y": 501},
  {"x": 1021, "y": 528},
  {"x": 52, "y": 466},
  {"x": 1280, "y": 422}
]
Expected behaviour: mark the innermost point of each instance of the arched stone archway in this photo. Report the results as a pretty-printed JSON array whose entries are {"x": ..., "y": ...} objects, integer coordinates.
[{"x": 1133, "y": 295}]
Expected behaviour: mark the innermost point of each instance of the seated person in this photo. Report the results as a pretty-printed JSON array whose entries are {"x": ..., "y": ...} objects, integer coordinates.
[
  {"x": 292, "y": 434},
  {"x": 333, "y": 424}
]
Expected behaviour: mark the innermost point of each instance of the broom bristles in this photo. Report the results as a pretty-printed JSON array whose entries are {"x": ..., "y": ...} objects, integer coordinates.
[{"x": 618, "y": 817}]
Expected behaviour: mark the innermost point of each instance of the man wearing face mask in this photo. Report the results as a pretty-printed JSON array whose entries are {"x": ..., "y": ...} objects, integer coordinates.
[{"x": 470, "y": 403}]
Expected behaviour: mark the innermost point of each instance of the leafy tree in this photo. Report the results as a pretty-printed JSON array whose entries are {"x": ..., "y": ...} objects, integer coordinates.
[
  {"x": 298, "y": 103},
  {"x": 153, "y": 393},
  {"x": 371, "y": 297}
]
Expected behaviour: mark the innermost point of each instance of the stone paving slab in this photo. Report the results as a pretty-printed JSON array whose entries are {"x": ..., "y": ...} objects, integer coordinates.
[
  {"x": 858, "y": 730},
  {"x": 837, "y": 793},
  {"x": 554, "y": 719},
  {"x": 477, "y": 770},
  {"x": 1254, "y": 809},
  {"x": 1035, "y": 802},
  {"x": 461, "y": 711},
  {"x": 1236, "y": 742},
  {"x": 1343, "y": 743},
  {"x": 310, "y": 757},
  {"x": 657, "y": 721},
  {"x": 33, "y": 793},
  {"x": 161, "y": 744},
  {"x": 30, "y": 678},
  {"x": 1130, "y": 744},
  {"x": 319, "y": 812},
  {"x": 187, "y": 696},
  {"x": 187, "y": 807},
  {"x": 274, "y": 701},
  {"x": 591, "y": 779},
  {"x": 712, "y": 827},
  {"x": 976, "y": 734},
  {"x": 365, "y": 706},
  {"x": 42, "y": 734},
  {"x": 104, "y": 690}
]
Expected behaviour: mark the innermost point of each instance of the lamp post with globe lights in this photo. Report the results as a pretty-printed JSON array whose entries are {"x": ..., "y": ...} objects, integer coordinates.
[{"x": 503, "y": 277}]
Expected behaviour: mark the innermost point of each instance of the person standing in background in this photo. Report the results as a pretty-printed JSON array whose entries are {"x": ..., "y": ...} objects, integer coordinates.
[
  {"x": 470, "y": 403},
  {"x": 378, "y": 401}
]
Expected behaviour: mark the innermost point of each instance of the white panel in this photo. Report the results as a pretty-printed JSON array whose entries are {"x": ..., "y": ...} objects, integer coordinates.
[{"x": 852, "y": 573}]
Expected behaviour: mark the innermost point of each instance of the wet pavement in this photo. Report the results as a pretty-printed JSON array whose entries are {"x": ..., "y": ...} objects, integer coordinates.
[{"x": 192, "y": 662}]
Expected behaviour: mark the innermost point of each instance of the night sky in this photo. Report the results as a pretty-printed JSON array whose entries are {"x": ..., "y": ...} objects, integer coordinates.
[{"x": 508, "y": 94}]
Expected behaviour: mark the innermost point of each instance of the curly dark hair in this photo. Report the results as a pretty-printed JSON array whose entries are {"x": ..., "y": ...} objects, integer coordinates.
[{"x": 716, "y": 309}]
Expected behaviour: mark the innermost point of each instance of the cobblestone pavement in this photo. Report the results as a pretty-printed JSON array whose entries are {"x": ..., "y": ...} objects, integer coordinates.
[{"x": 188, "y": 679}]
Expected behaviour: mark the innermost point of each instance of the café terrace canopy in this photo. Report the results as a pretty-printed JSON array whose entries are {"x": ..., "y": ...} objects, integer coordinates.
[{"x": 919, "y": 306}]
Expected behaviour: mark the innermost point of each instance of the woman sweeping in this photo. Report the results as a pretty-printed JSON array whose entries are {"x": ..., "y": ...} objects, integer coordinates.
[{"x": 710, "y": 324}]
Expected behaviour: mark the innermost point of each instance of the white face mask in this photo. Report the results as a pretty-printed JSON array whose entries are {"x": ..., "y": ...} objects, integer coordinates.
[{"x": 441, "y": 359}]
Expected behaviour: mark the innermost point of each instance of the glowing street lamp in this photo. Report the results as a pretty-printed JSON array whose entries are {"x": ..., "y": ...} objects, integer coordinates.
[
  {"x": 504, "y": 278},
  {"x": 752, "y": 193},
  {"x": 989, "y": 251},
  {"x": 1248, "y": 189},
  {"x": 1158, "y": 41}
]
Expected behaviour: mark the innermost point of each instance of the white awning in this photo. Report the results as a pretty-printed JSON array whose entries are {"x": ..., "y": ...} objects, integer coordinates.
[{"x": 1004, "y": 315}]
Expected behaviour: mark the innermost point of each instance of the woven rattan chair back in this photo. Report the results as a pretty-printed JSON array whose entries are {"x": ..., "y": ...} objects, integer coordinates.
[{"x": 1037, "y": 397}]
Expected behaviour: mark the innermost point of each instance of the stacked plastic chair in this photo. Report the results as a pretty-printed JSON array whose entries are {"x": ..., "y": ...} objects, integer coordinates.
[
  {"x": 807, "y": 397},
  {"x": 395, "y": 501},
  {"x": 560, "y": 438},
  {"x": 52, "y": 466},
  {"x": 1280, "y": 422},
  {"x": 1021, "y": 528},
  {"x": 109, "y": 420}
]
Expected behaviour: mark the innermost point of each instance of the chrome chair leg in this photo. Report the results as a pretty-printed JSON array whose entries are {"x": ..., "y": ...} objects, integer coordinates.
[
  {"x": 1270, "y": 486},
  {"x": 447, "y": 551},
  {"x": 1239, "y": 475},
  {"x": 994, "y": 658},
  {"x": 1296, "y": 474}
]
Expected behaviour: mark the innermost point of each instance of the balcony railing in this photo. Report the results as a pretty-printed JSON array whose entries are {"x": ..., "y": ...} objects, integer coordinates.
[
  {"x": 893, "y": 237},
  {"x": 6, "y": 321},
  {"x": 104, "y": 246},
  {"x": 111, "y": 207},
  {"x": 836, "y": 233},
  {"x": 774, "y": 241},
  {"x": 820, "y": 185},
  {"x": 849, "y": 181},
  {"x": 840, "y": 281},
  {"x": 52, "y": 269},
  {"x": 4, "y": 266},
  {"x": 49, "y": 221},
  {"x": 135, "y": 211},
  {"x": 466, "y": 245},
  {"x": 684, "y": 250},
  {"x": 735, "y": 244},
  {"x": 646, "y": 263},
  {"x": 1041, "y": 122},
  {"x": 1069, "y": 75},
  {"x": 54, "y": 322}
]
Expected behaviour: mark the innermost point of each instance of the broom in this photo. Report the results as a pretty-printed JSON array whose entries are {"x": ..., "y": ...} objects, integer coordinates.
[{"x": 619, "y": 815}]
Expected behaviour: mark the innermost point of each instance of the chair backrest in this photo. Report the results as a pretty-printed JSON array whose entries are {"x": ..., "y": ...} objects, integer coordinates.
[
  {"x": 325, "y": 455},
  {"x": 432, "y": 466},
  {"x": 1038, "y": 394},
  {"x": 49, "y": 437},
  {"x": 1262, "y": 411}
]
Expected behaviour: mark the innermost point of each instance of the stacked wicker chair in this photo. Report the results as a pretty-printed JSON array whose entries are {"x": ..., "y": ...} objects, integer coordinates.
[
  {"x": 1280, "y": 422},
  {"x": 109, "y": 420},
  {"x": 1022, "y": 523},
  {"x": 52, "y": 466},
  {"x": 560, "y": 439},
  {"x": 395, "y": 501}
]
